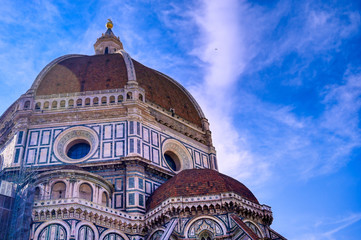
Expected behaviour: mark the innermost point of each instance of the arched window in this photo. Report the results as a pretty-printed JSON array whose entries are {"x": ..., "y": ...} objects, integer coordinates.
[
  {"x": 37, "y": 194},
  {"x": 38, "y": 106},
  {"x": 79, "y": 102},
  {"x": 254, "y": 228},
  {"x": 27, "y": 105},
  {"x": 157, "y": 235},
  {"x": 86, "y": 233},
  {"x": 205, "y": 235},
  {"x": 104, "y": 100},
  {"x": 87, "y": 102},
  {"x": 54, "y": 104},
  {"x": 113, "y": 236},
  {"x": 46, "y": 105},
  {"x": 53, "y": 231},
  {"x": 141, "y": 97},
  {"x": 62, "y": 103},
  {"x": 129, "y": 95},
  {"x": 58, "y": 190},
  {"x": 106, "y": 50},
  {"x": 71, "y": 103},
  {"x": 105, "y": 199},
  {"x": 112, "y": 99},
  {"x": 120, "y": 98},
  {"x": 95, "y": 101},
  {"x": 209, "y": 228},
  {"x": 86, "y": 192}
]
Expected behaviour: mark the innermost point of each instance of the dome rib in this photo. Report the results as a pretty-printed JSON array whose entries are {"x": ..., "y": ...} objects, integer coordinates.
[
  {"x": 200, "y": 111},
  {"x": 167, "y": 93}
]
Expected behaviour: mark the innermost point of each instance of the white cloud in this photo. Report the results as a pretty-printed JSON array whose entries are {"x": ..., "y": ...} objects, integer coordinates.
[
  {"x": 234, "y": 41},
  {"x": 221, "y": 48},
  {"x": 330, "y": 229}
]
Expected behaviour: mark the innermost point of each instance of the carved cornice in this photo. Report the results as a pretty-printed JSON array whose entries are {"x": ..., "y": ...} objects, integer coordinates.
[
  {"x": 81, "y": 209},
  {"x": 211, "y": 204}
]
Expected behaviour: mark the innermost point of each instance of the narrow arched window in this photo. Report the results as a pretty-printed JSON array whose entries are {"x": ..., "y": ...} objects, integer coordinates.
[
  {"x": 87, "y": 102},
  {"x": 129, "y": 95},
  {"x": 113, "y": 236},
  {"x": 112, "y": 99},
  {"x": 58, "y": 190},
  {"x": 254, "y": 228},
  {"x": 38, "y": 106},
  {"x": 141, "y": 97},
  {"x": 37, "y": 194},
  {"x": 120, "y": 98},
  {"x": 104, "y": 100},
  {"x": 106, "y": 50},
  {"x": 86, "y": 192},
  {"x": 62, "y": 103},
  {"x": 205, "y": 235},
  {"x": 79, "y": 102},
  {"x": 46, "y": 105},
  {"x": 54, "y": 104},
  {"x": 105, "y": 199},
  {"x": 71, "y": 103},
  {"x": 86, "y": 233},
  {"x": 95, "y": 101},
  {"x": 53, "y": 231},
  {"x": 27, "y": 105}
]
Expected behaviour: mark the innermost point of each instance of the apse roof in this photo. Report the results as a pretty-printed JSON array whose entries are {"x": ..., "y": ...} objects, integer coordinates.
[{"x": 198, "y": 182}]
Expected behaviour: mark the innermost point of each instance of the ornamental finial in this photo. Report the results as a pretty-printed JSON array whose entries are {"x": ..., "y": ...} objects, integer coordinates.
[{"x": 109, "y": 24}]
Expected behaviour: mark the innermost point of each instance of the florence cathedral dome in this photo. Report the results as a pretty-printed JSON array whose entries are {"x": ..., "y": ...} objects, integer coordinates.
[{"x": 103, "y": 147}]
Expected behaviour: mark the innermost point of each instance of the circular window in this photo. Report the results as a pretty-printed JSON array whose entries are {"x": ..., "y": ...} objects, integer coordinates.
[
  {"x": 172, "y": 160},
  {"x": 176, "y": 156},
  {"x": 76, "y": 144},
  {"x": 78, "y": 149}
]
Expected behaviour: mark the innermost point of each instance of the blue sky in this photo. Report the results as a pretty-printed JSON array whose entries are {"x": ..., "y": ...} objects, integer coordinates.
[{"x": 280, "y": 82}]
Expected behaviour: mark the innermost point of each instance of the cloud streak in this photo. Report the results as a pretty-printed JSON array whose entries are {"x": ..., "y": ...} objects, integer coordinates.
[
  {"x": 330, "y": 229},
  {"x": 255, "y": 137},
  {"x": 221, "y": 48}
]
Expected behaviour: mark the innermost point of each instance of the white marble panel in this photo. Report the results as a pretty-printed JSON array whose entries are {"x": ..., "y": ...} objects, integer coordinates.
[
  {"x": 107, "y": 149},
  {"x": 146, "y": 152},
  {"x": 43, "y": 155},
  {"x": 31, "y": 156},
  {"x": 34, "y": 138},
  {"x": 119, "y": 149}
]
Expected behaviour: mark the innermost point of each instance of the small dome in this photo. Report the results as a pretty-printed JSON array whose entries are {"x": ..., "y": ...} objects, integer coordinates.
[{"x": 198, "y": 182}]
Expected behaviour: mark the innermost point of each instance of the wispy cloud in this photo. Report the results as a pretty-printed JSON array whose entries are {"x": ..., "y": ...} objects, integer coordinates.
[
  {"x": 255, "y": 137},
  {"x": 221, "y": 48},
  {"x": 330, "y": 229}
]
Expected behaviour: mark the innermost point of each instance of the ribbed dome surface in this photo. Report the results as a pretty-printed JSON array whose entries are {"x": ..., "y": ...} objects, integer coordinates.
[
  {"x": 88, "y": 73},
  {"x": 198, "y": 182},
  {"x": 103, "y": 72}
]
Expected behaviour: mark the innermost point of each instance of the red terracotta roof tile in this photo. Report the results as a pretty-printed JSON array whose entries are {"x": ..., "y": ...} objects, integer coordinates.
[
  {"x": 103, "y": 72},
  {"x": 198, "y": 182}
]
